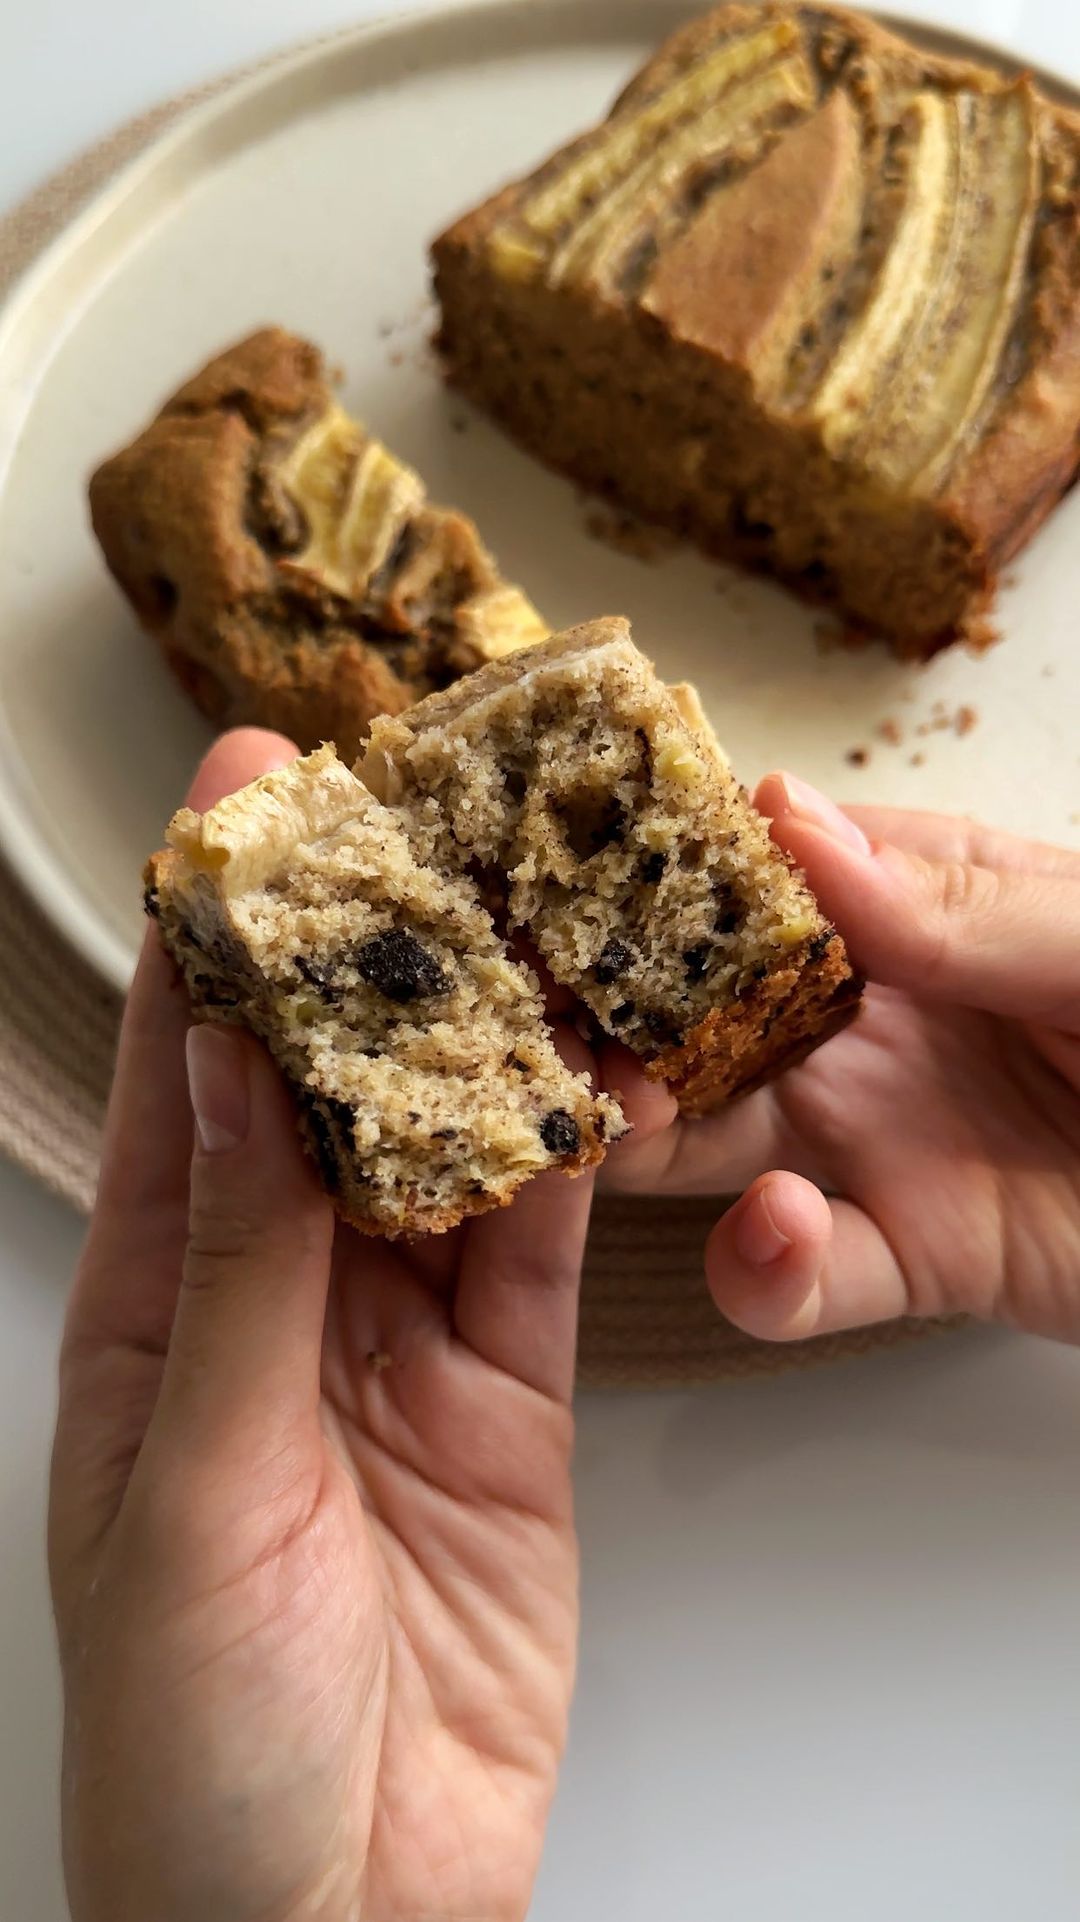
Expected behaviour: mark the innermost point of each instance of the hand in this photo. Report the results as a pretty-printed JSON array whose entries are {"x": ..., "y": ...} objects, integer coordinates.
[
  {"x": 311, "y": 1538},
  {"x": 944, "y": 1125}
]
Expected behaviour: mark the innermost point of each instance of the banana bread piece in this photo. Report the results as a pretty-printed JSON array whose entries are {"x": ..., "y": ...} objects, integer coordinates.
[
  {"x": 427, "y": 1084},
  {"x": 290, "y": 566},
  {"x": 809, "y": 294},
  {"x": 631, "y": 857}
]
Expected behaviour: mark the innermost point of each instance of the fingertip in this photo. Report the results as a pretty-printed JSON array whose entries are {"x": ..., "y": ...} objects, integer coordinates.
[
  {"x": 236, "y": 758},
  {"x": 648, "y": 1106},
  {"x": 765, "y": 1256}
]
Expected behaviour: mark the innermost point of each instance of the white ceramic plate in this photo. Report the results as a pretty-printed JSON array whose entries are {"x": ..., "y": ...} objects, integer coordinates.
[{"x": 307, "y": 196}]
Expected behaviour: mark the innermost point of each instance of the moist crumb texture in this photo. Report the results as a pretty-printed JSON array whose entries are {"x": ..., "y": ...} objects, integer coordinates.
[
  {"x": 292, "y": 568},
  {"x": 630, "y": 855},
  {"x": 809, "y": 295},
  {"x": 342, "y": 917},
  {"x": 427, "y": 1085}
]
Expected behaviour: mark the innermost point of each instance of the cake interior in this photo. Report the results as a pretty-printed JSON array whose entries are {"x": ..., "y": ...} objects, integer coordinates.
[
  {"x": 416, "y": 1049},
  {"x": 631, "y": 856}
]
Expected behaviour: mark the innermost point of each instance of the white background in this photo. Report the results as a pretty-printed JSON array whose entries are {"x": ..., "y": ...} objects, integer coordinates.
[{"x": 831, "y": 1658}]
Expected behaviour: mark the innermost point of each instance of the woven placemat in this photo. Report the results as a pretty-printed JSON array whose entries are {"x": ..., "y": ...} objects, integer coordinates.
[{"x": 646, "y": 1318}]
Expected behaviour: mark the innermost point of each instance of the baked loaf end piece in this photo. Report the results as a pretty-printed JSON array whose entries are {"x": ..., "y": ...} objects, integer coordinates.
[
  {"x": 810, "y": 295},
  {"x": 632, "y": 857},
  {"x": 292, "y": 567},
  {"x": 427, "y": 1085}
]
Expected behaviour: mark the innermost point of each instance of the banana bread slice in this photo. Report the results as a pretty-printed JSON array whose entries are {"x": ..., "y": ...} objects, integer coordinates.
[
  {"x": 630, "y": 855},
  {"x": 289, "y": 564},
  {"x": 809, "y": 294},
  {"x": 427, "y": 1084}
]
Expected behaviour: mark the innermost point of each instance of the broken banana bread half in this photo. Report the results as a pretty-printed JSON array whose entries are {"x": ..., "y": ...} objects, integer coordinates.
[
  {"x": 427, "y": 1085},
  {"x": 810, "y": 295},
  {"x": 630, "y": 856},
  {"x": 291, "y": 567}
]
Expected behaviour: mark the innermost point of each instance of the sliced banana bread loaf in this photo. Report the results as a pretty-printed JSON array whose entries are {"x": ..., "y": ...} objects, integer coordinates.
[{"x": 809, "y": 294}]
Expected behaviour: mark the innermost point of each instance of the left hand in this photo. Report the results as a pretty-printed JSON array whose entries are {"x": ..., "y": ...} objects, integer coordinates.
[{"x": 311, "y": 1534}]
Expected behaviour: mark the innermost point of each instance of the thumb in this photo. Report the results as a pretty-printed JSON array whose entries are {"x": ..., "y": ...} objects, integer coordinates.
[
  {"x": 1000, "y": 935},
  {"x": 246, "y": 1342}
]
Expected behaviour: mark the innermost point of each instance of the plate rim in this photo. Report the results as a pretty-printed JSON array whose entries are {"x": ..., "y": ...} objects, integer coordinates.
[{"x": 203, "y": 133}]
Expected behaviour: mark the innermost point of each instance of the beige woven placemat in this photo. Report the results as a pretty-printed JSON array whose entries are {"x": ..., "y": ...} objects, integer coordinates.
[{"x": 646, "y": 1318}]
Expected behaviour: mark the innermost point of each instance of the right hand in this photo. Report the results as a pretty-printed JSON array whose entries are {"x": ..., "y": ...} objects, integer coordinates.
[{"x": 943, "y": 1126}]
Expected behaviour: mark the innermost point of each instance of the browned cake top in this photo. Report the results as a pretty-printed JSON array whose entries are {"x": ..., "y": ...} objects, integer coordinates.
[
  {"x": 886, "y": 244},
  {"x": 253, "y": 489}
]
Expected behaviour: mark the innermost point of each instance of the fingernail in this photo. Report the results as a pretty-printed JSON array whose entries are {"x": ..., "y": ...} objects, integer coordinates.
[
  {"x": 807, "y": 804},
  {"x": 758, "y": 1240},
  {"x": 218, "y": 1084}
]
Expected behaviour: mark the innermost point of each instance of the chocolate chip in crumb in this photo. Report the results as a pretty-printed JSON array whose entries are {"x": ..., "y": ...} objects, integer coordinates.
[
  {"x": 444, "y": 1134},
  {"x": 651, "y": 867},
  {"x": 662, "y": 1028},
  {"x": 152, "y": 901},
  {"x": 559, "y": 1132},
  {"x": 817, "y": 946},
  {"x": 622, "y": 1014},
  {"x": 319, "y": 975},
  {"x": 515, "y": 1061},
  {"x": 397, "y": 966},
  {"x": 322, "y": 1142},
  {"x": 614, "y": 960},
  {"x": 696, "y": 962}
]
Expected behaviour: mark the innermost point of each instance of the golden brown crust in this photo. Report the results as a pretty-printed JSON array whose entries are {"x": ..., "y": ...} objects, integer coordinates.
[
  {"x": 783, "y": 1019},
  {"x": 196, "y": 528},
  {"x": 938, "y": 560}
]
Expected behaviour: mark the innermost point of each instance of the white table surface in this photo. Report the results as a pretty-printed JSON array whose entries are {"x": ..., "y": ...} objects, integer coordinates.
[{"x": 831, "y": 1658}]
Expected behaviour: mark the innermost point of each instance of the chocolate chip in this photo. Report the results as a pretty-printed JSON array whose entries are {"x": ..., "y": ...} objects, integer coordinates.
[
  {"x": 817, "y": 946},
  {"x": 651, "y": 867},
  {"x": 614, "y": 960},
  {"x": 622, "y": 1014},
  {"x": 397, "y": 965},
  {"x": 322, "y": 1140},
  {"x": 696, "y": 961},
  {"x": 444, "y": 1134},
  {"x": 320, "y": 976},
  {"x": 515, "y": 1061},
  {"x": 326, "y": 1115},
  {"x": 559, "y": 1133},
  {"x": 151, "y": 901},
  {"x": 662, "y": 1028}
]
